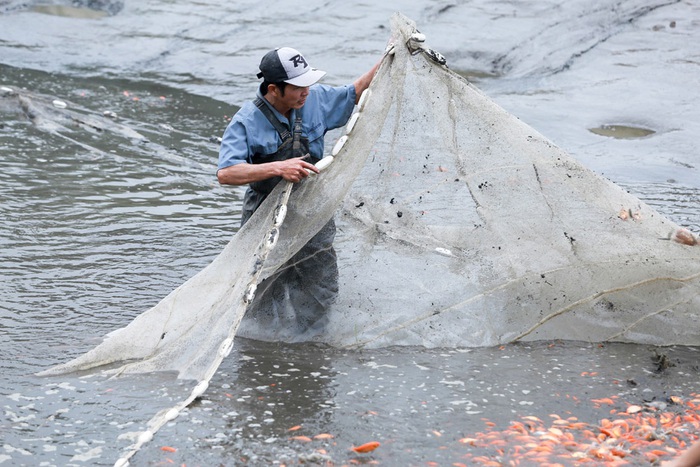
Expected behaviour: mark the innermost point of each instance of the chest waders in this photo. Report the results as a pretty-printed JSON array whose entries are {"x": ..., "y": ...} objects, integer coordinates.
[
  {"x": 295, "y": 298},
  {"x": 293, "y": 145}
]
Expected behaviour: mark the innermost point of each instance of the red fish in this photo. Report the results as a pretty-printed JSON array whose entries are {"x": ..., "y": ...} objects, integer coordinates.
[{"x": 367, "y": 447}]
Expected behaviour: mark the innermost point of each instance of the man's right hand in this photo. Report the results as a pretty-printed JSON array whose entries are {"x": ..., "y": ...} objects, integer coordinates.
[{"x": 295, "y": 169}]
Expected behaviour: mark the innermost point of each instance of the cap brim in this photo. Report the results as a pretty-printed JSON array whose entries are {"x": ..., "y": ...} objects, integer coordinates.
[{"x": 307, "y": 79}]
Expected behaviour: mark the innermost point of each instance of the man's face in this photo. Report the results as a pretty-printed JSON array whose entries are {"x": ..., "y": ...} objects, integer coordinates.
[{"x": 294, "y": 96}]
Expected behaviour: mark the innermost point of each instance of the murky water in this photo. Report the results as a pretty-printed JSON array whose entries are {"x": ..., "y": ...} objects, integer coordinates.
[
  {"x": 96, "y": 225},
  {"x": 286, "y": 404}
]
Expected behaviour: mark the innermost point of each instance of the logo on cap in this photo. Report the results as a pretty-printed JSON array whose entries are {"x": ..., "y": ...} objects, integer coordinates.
[{"x": 298, "y": 59}]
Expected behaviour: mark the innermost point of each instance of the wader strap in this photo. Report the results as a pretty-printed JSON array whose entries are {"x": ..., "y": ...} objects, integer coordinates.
[
  {"x": 296, "y": 134},
  {"x": 281, "y": 129},
  {"x": 293, "y": 145}
]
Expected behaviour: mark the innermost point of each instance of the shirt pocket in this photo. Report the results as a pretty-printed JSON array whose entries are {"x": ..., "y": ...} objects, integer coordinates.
[{"x": 264, "y": 148}]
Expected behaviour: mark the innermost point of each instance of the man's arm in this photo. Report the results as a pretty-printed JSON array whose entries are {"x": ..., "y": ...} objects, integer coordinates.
[
  {"x": 293, "y": 170},
  {"x": 364, "y": 81}
]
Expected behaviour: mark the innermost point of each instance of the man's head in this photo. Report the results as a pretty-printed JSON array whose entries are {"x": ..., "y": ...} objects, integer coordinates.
[{"x": 287, "y": 65}]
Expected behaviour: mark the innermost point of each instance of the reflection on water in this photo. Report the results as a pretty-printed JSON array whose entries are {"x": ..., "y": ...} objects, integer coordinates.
[
  {"x": 69, "y": 11},
  {"x": 621, "y": 131},
  {"x": 476, "y": 76}
]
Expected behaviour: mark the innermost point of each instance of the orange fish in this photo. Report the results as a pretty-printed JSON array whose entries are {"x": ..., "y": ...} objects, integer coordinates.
[
  {"x": 168, "y": 449},
  {"x": 367, "y": 447},
  {"x": 605, "y": 400},
  {"x": 304, "y": 439}
]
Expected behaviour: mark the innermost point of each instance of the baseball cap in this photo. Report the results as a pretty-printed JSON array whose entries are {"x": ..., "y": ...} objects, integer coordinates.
[{"x": 288, "y": 65}]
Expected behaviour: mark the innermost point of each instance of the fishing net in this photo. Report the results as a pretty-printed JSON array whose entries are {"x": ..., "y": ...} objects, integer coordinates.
[{"x": 457, "y": 225}]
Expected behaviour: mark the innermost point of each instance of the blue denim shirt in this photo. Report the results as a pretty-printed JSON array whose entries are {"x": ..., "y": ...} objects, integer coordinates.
[{"x": 250, "y": 134}]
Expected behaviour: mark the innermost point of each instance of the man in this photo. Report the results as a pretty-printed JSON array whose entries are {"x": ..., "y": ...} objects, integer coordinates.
[{"x": 280, "y": 135}]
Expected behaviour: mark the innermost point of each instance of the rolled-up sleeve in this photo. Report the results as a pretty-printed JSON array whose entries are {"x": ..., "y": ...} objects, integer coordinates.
[
  {"x": 234, "y": 145},
  {"x": 337, "y": 104}
]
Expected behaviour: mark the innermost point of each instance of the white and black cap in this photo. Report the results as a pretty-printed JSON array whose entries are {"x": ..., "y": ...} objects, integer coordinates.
[{"x": 288, "y": 65}]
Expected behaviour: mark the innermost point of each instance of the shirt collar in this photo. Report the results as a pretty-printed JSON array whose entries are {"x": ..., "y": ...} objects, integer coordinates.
[{"x": 276, "y": 113}]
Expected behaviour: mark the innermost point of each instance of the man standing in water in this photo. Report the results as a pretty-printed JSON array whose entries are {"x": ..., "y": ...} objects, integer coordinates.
[{"x": 279, "y": 136}]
